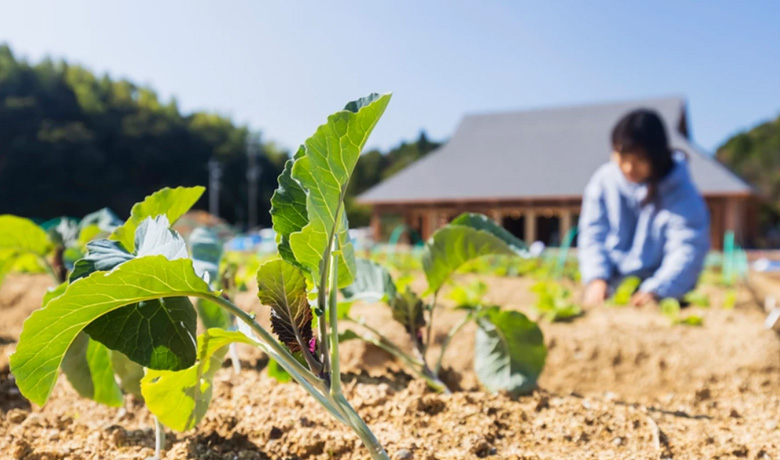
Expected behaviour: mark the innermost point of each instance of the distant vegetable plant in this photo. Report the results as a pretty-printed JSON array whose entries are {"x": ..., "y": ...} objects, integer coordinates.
[
  {"x": 671, "y": 309},
  {"x": 554, "y": 302},
  {"x": 509, "y": 348},
  {"x": 131, "y": 292}
]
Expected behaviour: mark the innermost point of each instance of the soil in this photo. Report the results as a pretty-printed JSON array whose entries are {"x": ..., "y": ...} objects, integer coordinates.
[{"x": 620, "y": 383}]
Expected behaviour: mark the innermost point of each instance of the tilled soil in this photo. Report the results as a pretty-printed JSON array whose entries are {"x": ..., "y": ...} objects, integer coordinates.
[{"x": 620, "y": 383}]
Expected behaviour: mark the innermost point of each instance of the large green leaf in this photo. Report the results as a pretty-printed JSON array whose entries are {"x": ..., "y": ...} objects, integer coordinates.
[
  {"x": 288, "y": 209},
  {"x": 206, "y": 253},
  {"x": 155, "y": 333},
  {"x": 454, "y": 245},
  {"x": 48, "y": 332},
  {"x": 282, "y": 287},
  {"x": 128, "y": 373},
  {"x": 171, "y": 202},
  {"x": 484, "y": 223},
  {"x": 23, "y": 236},
  {"x": 407, "y": 309},
  {"x": 509, "y": 351},
  {"x": 180, "y": 399},
  {"x": 87, "y": 365},
  {"x": 152, "y": 237},
  {"x": 323, "y": 173},
  {"x": 372, "y": 283}
]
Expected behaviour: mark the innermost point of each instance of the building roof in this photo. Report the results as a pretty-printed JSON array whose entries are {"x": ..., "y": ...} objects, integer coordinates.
[{"x": 539, "y": 154}]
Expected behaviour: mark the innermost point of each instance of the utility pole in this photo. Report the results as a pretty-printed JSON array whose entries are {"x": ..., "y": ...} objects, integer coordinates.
[
  {"x": 215, "y": 175},
  {"x": 252, "y": 177}
]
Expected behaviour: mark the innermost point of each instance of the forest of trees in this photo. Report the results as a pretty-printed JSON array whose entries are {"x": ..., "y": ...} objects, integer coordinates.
[
  {"x": 755, "y": 156},
  {"x": 72, "y": 142}
]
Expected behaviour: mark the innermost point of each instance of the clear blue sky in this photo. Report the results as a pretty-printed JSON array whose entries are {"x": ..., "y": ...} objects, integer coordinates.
[{"x": 283, "y": 66}]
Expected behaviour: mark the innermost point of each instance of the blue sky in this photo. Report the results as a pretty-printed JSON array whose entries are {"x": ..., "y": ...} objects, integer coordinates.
[{"x": 282, "y": 67}]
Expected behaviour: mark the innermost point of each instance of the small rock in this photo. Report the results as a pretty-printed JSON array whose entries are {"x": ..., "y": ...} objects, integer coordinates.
[
  {"x": 543, "y": 403},
  {"x": 734, "y": 414},
  {"x": 403, "y": 454},
  {"x": 119, "y": 437},
  {"x": 275, "y": 433},
  {"x": 771, "y": 425},
  {"x": 21, "y": 449},
  {"x": 703, "y": 395},
  {"x": 16, "y": 416},
  {"x": 618, "y": 441}
]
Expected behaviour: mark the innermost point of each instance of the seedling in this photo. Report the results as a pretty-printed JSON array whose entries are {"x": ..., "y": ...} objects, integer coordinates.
[
  {"x": 671, "y": 309},
  {"x": 625, "y": 290},
  {"x": 553, "y": 302},
  {"x": 509, "y": 348},
  {"x": 132, "y": 292}
]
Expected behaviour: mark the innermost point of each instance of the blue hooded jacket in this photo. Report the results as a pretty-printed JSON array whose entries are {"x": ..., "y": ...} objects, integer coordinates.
[{"x": 663, "y": 242}]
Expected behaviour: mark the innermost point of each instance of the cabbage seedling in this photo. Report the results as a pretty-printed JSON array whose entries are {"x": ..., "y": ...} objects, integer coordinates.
[
  {"x": 132, "y": 292},
  {"x": 509, "y": 348}
]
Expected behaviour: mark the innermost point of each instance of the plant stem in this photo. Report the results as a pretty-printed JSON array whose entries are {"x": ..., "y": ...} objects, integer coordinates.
[
  {"x": 159, "y": 438},
  {"x": 333, "y": 316},
  {"x": 447, "y": 340},
  {"x": 430, "y": 326},
  {"x": 375, "y": 449}
]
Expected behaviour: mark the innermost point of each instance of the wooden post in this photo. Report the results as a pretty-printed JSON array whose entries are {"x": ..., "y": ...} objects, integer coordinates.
[
  {"x": 565, "y": 223},
  {"x": 735, "y": 216},
  {"x": 530, "y": 226},
  {"x": 376, "y": 224}
]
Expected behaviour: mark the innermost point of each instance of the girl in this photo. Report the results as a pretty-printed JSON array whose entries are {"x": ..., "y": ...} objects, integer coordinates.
[{"x": 642, "y": 216}]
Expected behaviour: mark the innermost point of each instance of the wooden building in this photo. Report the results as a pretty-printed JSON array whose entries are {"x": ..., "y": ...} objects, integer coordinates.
[{"x": 527, "y": 170}]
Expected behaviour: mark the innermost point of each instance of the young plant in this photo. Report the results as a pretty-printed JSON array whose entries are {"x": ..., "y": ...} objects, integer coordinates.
[
  {"x": 671, "y": 309},
  {"x": 624, "y": 291},
  {"x": 509, "y": 348},
  {"x": 553, "y": 302},
  {"x": 133, "y": 294}
]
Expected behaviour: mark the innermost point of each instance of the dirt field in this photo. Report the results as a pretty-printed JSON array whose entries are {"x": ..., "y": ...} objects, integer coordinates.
[{"x": 620, "y": 383}]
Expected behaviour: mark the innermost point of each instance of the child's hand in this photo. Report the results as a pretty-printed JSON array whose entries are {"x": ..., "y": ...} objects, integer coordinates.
[
  {"x": 595, "y": 293},
  {"x": 641, "y": 298}
]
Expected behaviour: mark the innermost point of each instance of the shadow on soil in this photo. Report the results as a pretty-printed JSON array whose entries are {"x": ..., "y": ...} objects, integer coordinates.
[{"x": 10, "y": 398}]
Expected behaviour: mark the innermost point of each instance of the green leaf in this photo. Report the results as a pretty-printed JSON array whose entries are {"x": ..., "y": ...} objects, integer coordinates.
[
  {"x": 372, "y": 283},
  {"x": 88, "y": 233},
  {"x": 48, "y": 332},
  {"x": 152, "y": 237},
  {"x": 87, "y": 365},
  {"x": 509, "y": 351},
  {"x": 348, "y": 335},
  {"x": 7, "y": 261},
  {"x": 128, "y": 373},
  {"x": 53, "y": 293},
  {"x": 486, "y": 224},
  {"x": 180, "y": 399},
  {"x": 691, "y": 320},
  {"x": 697, "y": 298},
  {"x": 102, "y": 255},
  {"x": 172, "y": 203},
  {"x": 206, "y": 253},
  {"x": 670, "y": 308},
  {"x": 282, "y": 287},
  {"x": 625, "y": 290},
  {"x": 155, "y": 333},
  {"x": 454, "y": 245},
  {"x": 104, "y": 219},
  {"x": 288, "y": 209},
  {"x": 323, "y": 172},
  {"x": 277, "y": 372},
  {"x": 407, "y": 309},
  {"x": 212, "y": 315},
  {"x": 23, "y": 236}
]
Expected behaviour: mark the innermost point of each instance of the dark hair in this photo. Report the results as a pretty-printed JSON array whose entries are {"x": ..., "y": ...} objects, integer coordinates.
[{"x": 642, "y": 132}]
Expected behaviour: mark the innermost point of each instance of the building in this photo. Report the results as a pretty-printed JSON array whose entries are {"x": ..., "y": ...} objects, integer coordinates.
[{"x": 527, "y": 170}]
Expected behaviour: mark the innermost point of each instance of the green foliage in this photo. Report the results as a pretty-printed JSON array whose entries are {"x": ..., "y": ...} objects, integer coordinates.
[
  {"x": 671, "y": 309},
  {"x": 730, "y": 299},
  {"x": 509, "y": 351},
  {"x": 755, "y": 156},
  {"x": 172, "y": 203},
  {"x": 466, "y": 238},
  {"x": 101, "y": 141},
  {"x": 553, "y": 302},
  {"x": 321, "y": 170},
  {"x": 48, "y": 332},
  {"x": 282, "y": 287},
  {"x": 87, "y": 365},
  {"x": 180, "y": 399},
  {"x": 470, "y": 295},
  {"x": 373, "y": 283},
  {"x": 697, "y": 298},
  {"x": 625, "y": 290}
]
